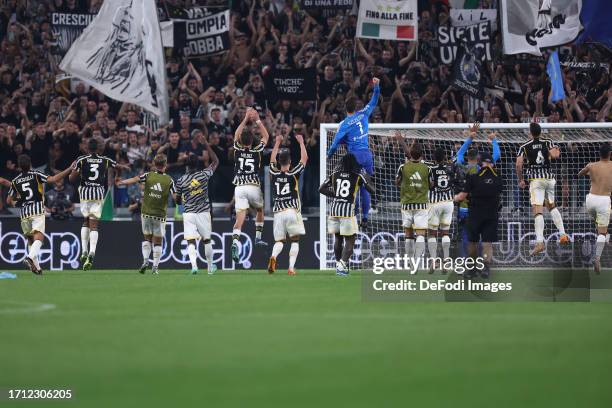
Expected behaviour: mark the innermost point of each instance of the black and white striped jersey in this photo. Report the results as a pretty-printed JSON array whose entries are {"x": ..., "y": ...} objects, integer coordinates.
[
  {"x": 192, "y": 187},
  {"x": 345, "y": 186},
  {"x": 29, "y": 189},
  {"x": 247, "y": 163},
  {"x": 94, "y": 175},
  {"x": 441, "y": 181},
  {"x": 285, "y": 189},
  {"x": 537, "y": 158}
]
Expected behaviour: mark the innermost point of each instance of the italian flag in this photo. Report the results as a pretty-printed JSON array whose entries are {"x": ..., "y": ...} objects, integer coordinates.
[{"x": 387, "y": 31}]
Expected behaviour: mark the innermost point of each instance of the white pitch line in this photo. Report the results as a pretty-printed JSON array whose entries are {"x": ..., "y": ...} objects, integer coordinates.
[{"x": 25, "y": 307}]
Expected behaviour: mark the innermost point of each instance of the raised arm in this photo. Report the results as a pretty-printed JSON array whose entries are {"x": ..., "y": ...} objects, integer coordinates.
[
  {"x": 496, "y": 150},
  {"x": 402, "y": 143},
  {"x": 303, "y": 152},
  {"x": 60, "y": 175},
  {"x": 277, "y": 142},
  {"x": 464, "y": 147},
  {"x": 265, "y": 136},
  {"x": 5, "y": 182},
  {"x": 127, "y": 182},
  {"x": 369, "y": 108},
  {"x": 242, "y": 125}
]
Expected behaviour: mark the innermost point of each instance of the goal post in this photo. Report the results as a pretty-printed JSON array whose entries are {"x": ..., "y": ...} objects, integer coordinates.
[{"x": 579, "y": 144}]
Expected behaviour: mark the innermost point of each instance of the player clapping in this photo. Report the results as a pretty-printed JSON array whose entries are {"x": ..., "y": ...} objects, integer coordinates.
[
  {"x": 247, "y": 164},
  {"x": 598, "y": 200},
  {"x": 287, "y": 206}
]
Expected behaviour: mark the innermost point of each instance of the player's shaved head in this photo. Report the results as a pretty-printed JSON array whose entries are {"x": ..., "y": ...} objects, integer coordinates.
[
  {"x": 24, "y": 162},
  {"x": 350, "y": 104},
  {"x": 416, "y": 151},
  {"x": 284, "y": 157},
  {"x": 192, "y": 162},
  {"x": 439, "y": 155},
  {"x": 604, "y": 151},
  {"x": 349, "y": 164},
  {"x": 160, "y": 161},
  {"x": 535, "y": 130}
]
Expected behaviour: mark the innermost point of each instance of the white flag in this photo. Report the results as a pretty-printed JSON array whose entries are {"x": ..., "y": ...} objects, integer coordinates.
[
  {"x": 529, "y": 25},
  {"x": 120, "y": 53}
]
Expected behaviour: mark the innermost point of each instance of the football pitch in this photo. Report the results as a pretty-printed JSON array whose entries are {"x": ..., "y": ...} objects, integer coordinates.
[{"x": 237, "y": 339}]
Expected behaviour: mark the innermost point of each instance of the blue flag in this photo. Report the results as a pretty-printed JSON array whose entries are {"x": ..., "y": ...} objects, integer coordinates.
[
  {"x": 596, "y": 16},
  {"x": 556, "y": 78}
]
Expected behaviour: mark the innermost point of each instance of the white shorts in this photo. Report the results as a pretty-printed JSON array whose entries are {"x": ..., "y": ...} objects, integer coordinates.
[
  {"x": 288, "y": 222},
  {"x": 542, "y": 189},
  {"x": 416, "y": 219},
  {"x": 153, "y": 226},
  {"x": 196, "y": 225},
  {"x": 91, "y": 209},
  {"x": 441, "y": 215},
  {"x": 248, "y": 196},
  {"x": 346, "y": 226},
  {"x": 33, "y": 224},
  {"x": 598, "y": 207}
]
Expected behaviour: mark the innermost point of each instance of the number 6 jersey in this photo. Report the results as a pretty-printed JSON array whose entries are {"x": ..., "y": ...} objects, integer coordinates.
[
  {"x": 93, "y": 170},
  {"x": 345, "y": 186},
  {"x": 247, "y": 163}
]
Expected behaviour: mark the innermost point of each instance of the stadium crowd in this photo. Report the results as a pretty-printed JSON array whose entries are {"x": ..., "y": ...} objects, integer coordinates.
[{"x": 52, "y": 120}]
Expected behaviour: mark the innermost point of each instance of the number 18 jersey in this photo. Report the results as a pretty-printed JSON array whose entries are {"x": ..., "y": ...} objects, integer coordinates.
[
  {"x": 94, "y": 170},
  {"x": 345, "y": 186},
  {"x": 247, "y": 163}
]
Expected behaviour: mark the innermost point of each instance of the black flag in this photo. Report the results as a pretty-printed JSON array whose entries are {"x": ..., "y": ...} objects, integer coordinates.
[{"x": 468, "y": 72}]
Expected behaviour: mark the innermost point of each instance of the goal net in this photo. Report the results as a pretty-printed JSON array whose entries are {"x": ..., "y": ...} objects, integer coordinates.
[{"x": 579, "y": 145}]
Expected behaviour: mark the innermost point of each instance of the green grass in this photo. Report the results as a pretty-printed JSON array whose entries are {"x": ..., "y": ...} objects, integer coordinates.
[{"x": 248, "y": 339}]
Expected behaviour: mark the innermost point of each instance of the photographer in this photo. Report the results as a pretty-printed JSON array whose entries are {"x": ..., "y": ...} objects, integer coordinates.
[{"x": 58, "y": 201}]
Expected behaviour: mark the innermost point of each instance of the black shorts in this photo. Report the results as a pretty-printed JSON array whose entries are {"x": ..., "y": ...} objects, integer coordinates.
[{"x": 481, "y": 228}]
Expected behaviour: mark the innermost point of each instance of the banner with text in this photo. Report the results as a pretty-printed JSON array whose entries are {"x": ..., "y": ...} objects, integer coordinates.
[
  {"x": 67, "y": 27},
  {"x": 467, "y": 72},
  {"x": 529, "y": 25},
  {"x": 476, "y": 36},
  {"x": 326, "y": 4},
  {"x": 202, "y": 32},
  {"x": 388, "y": 20},
  {"x": 466, "y": 17},
  {"x": 296, "y": 84}
]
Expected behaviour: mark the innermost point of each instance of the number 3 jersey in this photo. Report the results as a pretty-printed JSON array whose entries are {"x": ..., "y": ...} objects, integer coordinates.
[
  {"x": 30, "y": 190},
  {"x": 537, "y": 158},
  {"x": 247, "y": 163},
  {"x": 94, "y": 170},
  {"x": 345, "y": 186},
  {"x": 285, "y": 188}
]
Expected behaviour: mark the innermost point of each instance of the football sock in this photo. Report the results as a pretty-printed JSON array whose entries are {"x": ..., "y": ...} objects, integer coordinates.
[
  {"x": 539, "y": 227},
  {"x": 432, "y": 246},
  {"x": 599, "y": 246},
  {"x": 419, "y": 247},
  {"x": 607, "y": 237},
  {"x": 410, "y": 247},
  {"x": 146, "y": 251},
  {"x": 258, "y": 229},
  {"x": 276, "y": 249},
  {"x": 209, "y": 254},
  {"x": 293, "y": 253},
  {"x": 34, "y": 249},
  {"x": 84, "y": 239},
  {"x": 446, "y": 242},
  {"x": 556, "y": 216},
  {"x": 157, "y": 250},
  {"x": 236, "y": 235},
  {"x": 93, "y": 241},
  {"x": 193, "y": 256}
]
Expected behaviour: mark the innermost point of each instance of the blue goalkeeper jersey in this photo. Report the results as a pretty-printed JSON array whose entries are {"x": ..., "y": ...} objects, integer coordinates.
[{"x": 353, "y": 130}]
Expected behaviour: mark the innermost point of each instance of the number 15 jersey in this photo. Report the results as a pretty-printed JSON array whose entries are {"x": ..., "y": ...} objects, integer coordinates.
[
  {"x": 247, "y": 163},
  {"x": 94, "y": 170}
]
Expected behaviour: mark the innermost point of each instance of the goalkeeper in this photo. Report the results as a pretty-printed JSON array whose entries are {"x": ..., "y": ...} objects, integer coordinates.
[
  {"x": 468, "y": 163},
  {"x": 353, "y": 132}
]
